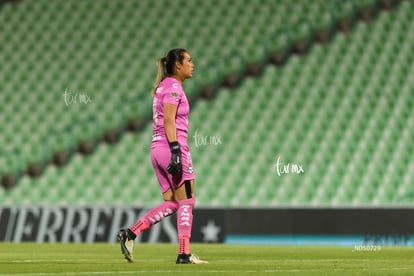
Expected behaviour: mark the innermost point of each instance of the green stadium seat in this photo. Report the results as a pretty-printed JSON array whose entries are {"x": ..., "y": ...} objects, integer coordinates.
[{"x": 344, "y": 106}]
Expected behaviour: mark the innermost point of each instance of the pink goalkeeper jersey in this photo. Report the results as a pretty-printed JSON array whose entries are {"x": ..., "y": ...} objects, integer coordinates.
[{"x": 169, "y": 91}]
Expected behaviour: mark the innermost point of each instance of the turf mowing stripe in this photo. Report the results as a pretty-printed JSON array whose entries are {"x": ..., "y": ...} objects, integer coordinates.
[
  {"x": 32, "y": 259},
  {"x": 394, "y": 269},
  {"x": 331, "y": 240}
]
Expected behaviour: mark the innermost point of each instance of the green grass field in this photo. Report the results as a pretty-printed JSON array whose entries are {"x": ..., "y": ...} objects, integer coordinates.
[{"x": 159, "y": 259}]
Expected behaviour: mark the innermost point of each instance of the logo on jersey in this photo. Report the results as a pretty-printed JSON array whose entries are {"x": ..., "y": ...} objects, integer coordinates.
[
  {"x": 174, "y": 95},
  {"x": 190, "y": 163}
]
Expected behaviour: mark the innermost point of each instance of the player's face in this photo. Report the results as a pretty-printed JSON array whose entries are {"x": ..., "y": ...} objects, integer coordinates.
[{"x": 187, "y": 67}]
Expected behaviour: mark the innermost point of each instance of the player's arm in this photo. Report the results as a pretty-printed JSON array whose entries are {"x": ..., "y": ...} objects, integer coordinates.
[{"x": 170, "y": 112}]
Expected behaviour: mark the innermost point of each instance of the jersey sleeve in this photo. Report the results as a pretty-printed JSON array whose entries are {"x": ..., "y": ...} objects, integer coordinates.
[{"x": 172, "y": 94}]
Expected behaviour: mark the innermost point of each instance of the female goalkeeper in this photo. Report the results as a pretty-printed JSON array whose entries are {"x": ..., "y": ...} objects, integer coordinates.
[{"x": 170, "y": 156}]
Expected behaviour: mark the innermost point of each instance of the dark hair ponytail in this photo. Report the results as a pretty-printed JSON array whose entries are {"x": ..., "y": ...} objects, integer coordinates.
[{"x": 166, "y": 66}]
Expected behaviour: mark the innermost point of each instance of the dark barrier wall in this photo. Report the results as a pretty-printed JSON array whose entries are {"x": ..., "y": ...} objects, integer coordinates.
[
  {"x": 100, "y": 224},
  {"x": 346, "y": 221}
]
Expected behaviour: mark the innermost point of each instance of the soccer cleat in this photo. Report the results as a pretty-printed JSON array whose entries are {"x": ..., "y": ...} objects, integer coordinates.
[
  {"x": 189, "y": 259},
  {"x": 127, "y": 245}
]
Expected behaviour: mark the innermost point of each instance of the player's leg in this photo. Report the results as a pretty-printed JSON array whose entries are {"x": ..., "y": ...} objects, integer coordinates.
[
  {"x": 155, "y": 215},
  {"x": 152, "y": 217},
  {"x": 185, "y": 198},
  {"x": 186, "y": 201},
  {"x": 126, "y": 237},
  {"x": 184, "y": 194}
]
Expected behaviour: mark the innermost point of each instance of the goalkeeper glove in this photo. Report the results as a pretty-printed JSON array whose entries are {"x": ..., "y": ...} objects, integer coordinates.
[{"x": 175, "y": 165}]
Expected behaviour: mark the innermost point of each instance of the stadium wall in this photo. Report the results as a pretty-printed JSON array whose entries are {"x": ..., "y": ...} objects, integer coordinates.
[
  {"x": 343, "y": 226},
  {"x": 378, "y": 226}
]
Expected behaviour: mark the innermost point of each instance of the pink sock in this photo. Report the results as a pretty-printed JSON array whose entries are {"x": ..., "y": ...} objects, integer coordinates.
[
  {"x": 154, "y": 216},
  {"x": 184, "y": 224}
]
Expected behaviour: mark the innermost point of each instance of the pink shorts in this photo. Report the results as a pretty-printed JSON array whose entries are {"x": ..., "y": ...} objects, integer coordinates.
[{"x": 161, "y": 157}]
